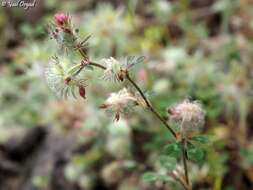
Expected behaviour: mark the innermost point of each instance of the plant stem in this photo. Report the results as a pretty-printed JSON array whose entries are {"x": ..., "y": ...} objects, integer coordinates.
[
  {"x": 184, "y": 143},
  {"x": 180, "y": 179},
  {"x": 151, "y": 108},
  {"x": 98, "y": 65}
]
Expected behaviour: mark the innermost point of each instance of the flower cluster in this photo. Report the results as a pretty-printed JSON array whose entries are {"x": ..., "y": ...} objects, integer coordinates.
[
  {"x": 188, "y": 116},
  {"x": 114, "y": 70},
  {"x": 119, "y": 102},
  {"x": 62, "y": 31},
  {"x": 66, "y": 79}
]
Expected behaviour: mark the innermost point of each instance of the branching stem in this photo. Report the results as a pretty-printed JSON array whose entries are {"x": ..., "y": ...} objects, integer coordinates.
[
  {"x": 151, "y": 108},
  {"x": 180, "y": 179},
  {"x": 186, "y": 184}
]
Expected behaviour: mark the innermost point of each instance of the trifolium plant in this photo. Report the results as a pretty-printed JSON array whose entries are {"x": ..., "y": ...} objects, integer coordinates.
[{"x": 185, "y": 118}]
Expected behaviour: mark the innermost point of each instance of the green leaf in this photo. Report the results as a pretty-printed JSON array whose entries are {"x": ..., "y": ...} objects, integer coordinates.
[
  {"x": 168, "y": 162},
  {"x": 194, "y": 153},
  {"x": 149, "y": 177},
  {"x": 165, "y": 178},
  {"x": 173, "y": 150},
  {"x": 201, "y": 139}
]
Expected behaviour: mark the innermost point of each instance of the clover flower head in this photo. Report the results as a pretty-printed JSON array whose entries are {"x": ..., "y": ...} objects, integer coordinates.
[
  {"x": 61, "y": 19},
  {"x": 188, "y": 116},
  {"x": 65, "y": 82},
  {"x": 62, "y": 31},
  {"x": 119, "y": 102},
  {"x": 114, "y": 70}
]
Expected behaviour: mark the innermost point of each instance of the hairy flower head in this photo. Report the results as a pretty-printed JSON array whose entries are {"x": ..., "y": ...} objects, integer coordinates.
[
  {"x": 119, "y": 102},
  {"x": 113, "y": 71},
  {"x": 64, "y": 81},
  {"x": 116, "y": 71},
  {"x": 188, "y": 116},
  {"x": 62, "y": 31}
]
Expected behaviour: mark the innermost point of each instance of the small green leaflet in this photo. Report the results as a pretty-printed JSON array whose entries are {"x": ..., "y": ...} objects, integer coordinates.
[
  {"x": 195, "y": 153},
  {"x": 173, "y": 149},
  {"x": 168, "y": 162},
  {"x": 201, "y": 139},
  {"x": 150, "y": 177}
]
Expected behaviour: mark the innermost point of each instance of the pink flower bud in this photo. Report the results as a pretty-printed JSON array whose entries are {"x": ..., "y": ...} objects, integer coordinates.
[{"x": 61, "y": 19}]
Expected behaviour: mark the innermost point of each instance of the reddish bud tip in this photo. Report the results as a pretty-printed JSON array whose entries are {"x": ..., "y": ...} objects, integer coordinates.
[
  {"x": 67, "y": 30},
  {"x": 82, "y": 92},
  {"x": 67, "y": 80},
  {"x": 117, "y": 117},
  {"x": 103, "y": 106},
  {"x": 121, "y": 77},
  {"x": 85, "y": 62},
  {"x": 61, "y": 19}
]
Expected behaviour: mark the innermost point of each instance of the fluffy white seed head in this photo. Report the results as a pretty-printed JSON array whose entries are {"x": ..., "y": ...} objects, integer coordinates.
[
  {"x": 63, "y": 81},
  {"x": 188, "y": 116},
  {"x": 120, "y": 99},
  {"x": 119, "y": 102},
  {"x": 113, "y": 68}
]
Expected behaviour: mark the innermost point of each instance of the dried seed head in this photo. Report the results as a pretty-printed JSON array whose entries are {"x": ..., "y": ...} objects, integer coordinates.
[
  {"x": 113, "y": 70},
  {"x": 188, "y": 116},
  {"x": 63, "y": 81},
  {"x": 119, "y": 102}
]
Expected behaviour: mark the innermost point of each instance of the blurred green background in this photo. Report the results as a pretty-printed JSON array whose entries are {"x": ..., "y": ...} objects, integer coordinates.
[{"x": 202, "y": 49}]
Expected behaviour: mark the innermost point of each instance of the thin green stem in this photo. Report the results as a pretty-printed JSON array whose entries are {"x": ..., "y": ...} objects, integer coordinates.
[
  {"x": 151, "y": 108},
  {"x": 98, "y": 65},
  {"x": 184, "y": 153}
]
